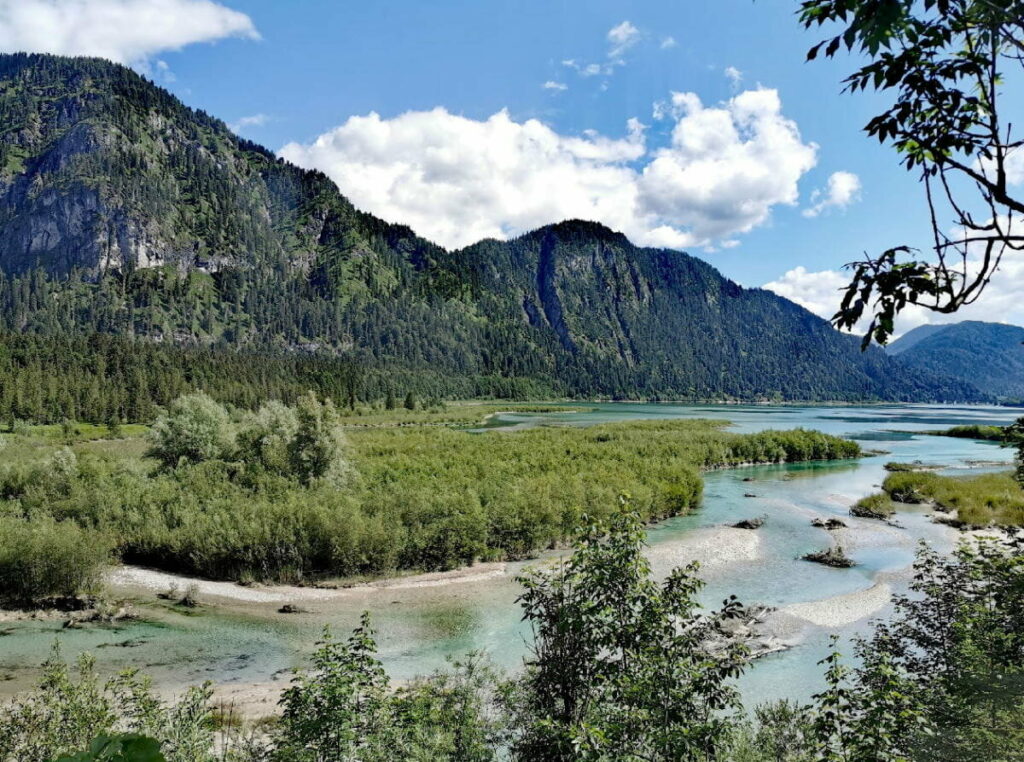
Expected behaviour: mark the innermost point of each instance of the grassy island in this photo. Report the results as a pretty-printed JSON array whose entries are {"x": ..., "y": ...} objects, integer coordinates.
[{"x": 995, "y": 499}]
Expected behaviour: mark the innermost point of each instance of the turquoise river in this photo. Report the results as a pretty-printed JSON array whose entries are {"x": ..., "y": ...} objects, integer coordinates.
[{"x": 420, "y": 622}]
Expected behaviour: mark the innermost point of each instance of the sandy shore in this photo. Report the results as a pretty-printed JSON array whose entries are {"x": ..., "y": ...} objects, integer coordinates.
[
  {"x": 136, "y": 578},
  {"x": 842, "y": 610},
  {"x": 710, "y": 546},
  {"x": 250, "y": 701}
]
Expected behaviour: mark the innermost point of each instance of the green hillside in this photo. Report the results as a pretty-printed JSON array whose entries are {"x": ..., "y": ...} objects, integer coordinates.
[
  {"x": 989, "y": 356},
  {"x": 124, "y": 212}
]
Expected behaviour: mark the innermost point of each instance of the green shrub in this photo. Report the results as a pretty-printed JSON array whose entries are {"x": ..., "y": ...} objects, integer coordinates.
[
  {"x": 877, "y": 506},
  {"x": 194, "y": 428},
  {"x": 978, "y": 500},
  {"x": 67, "y": 713},
  {"x": 976, "y": 431},
  {"x": 294, "y": 500},
  {"x": 44, "y": 559}
]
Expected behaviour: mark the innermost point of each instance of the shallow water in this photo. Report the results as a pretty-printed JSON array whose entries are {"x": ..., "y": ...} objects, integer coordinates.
[{"x": 418, "y": 627}]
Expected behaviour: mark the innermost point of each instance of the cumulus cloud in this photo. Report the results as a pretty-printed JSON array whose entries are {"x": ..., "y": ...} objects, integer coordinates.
[
  {"x": 725, "y": 168},
  {"x": 842, "y": 190},
  {"x": 126, "y": 31},
  {"x": 457, "y": 180},
  {"x": 734, "y": 75},
  {"x": 668, "y": 42},
  {"x": 821, "y": 292},
  {"x": 1013, "y": 164},
  {"x": 552, "y": 85}
]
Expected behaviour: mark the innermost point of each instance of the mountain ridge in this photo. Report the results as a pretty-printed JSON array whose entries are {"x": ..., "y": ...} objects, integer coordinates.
[
  {"x": 124, "y": 211},
  {"x": 987, "y": 355}
]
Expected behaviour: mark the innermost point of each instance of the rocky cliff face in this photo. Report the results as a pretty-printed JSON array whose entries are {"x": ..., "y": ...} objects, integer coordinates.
[{"x": 122, "y": 210}]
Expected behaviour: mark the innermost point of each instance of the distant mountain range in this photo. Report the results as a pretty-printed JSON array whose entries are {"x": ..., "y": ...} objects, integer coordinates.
[
  {"x": 123, "y": 211},
  {"x": 989, "y": 356}
]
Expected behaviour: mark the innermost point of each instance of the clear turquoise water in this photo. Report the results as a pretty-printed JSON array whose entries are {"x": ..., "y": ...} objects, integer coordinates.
[{"x": 419, "y": 627}]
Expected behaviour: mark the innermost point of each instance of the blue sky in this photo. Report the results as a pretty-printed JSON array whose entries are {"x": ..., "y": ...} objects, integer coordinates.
[{"x": 290, "y": 74}]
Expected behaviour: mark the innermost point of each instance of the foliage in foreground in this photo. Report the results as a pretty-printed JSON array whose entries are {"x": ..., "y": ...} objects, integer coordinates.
[
  {"x": 947, "y": 66},
  {"x": 624, "y": 668},
  {"x": 69, "y": 710}
]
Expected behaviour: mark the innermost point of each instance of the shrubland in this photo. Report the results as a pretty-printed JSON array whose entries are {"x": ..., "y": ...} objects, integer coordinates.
[
  {"x": 983, "y": 500},
  {"x": 287, "y": 492}
]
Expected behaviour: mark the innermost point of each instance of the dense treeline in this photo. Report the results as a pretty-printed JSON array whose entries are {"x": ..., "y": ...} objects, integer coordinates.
[
  {"x": 101, "y": 378},
  {"x": 234, "y": 497},
  {"x": 163, "y": 226},
  {"x": 624, "y": 667}
]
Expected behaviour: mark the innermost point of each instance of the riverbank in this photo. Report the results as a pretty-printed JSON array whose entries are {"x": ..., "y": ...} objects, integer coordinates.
[{"x": 140, "y": 580}]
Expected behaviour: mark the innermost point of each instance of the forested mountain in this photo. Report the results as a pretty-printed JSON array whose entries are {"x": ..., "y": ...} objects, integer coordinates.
[
  {"x": 989, "y": 356},
  {"x": 122, "y": 211}
]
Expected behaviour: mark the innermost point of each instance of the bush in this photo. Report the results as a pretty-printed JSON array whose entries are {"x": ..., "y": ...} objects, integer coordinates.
[
  {"x": 877, "y": 506},
  {"x": 43, "y": 559},
  {"x": 978, "y": 500},
  {"x": 194, "y": 429},
  {"x": 66, "y": 713},
  {"x": 426, "y": 498}
]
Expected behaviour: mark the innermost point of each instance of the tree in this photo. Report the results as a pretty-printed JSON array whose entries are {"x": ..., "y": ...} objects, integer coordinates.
[
  {"x": 410, "y": 401},
  {"x": 944, "y": 679},
  {"x": 623, "y": 667},
  {"x": 194, "y": 429},
  {"x": 317, "y": 450},
  {"x": 337, "y": 710},
  {"x": 948, "y": 64},
  {"x": 266, "y": 436},
  {"x": 1014, "y": 437},
  {"x": 389, "y": 401}
]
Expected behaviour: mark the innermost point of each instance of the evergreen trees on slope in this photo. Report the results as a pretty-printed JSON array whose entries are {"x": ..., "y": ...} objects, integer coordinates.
[{"x": 124, "y": 212}]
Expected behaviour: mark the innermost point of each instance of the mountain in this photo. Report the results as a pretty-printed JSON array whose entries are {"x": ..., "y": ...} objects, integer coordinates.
[
  {"x": 989, "y": 356},
  {"x": 123, "y": 211},
  {"x": 912, "y": 337}
]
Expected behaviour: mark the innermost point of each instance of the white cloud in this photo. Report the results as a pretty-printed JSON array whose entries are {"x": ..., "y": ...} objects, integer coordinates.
[
  {"x": 1013, "y": 164},
  {"x": 255, "y": 120},
  {"x": 735, "y": 75},
  {"x": 621, "y": 38},
  {"x": 818, "y": 292},
  {"x": 843, "y": 189},
  {"x": 457, "y": 180},
  {"x": 668, "y": 42},
  {"x": 821, "y": 293},
  {"x": 726, "y": 167},
  {"x": 588, "y": 70},
  {"x": 552, "y": 85},
  {"x": 126, "y": 31}
]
